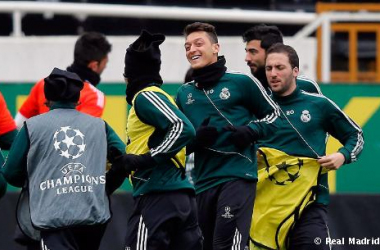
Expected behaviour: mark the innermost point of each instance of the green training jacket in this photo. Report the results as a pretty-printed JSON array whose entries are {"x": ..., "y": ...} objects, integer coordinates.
[{"x": 234, "y": 100}]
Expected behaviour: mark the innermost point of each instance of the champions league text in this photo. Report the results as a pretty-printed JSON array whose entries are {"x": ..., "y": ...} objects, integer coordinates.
[{"x": 73, "y": 184}]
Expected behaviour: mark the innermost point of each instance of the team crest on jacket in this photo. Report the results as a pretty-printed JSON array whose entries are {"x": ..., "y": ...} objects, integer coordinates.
[
  {"x": 69, "y": 142},
  {"x": 305, "y": 116},
  {"x": 224, "y": 94},
  {"x": 190, "y": 99}
]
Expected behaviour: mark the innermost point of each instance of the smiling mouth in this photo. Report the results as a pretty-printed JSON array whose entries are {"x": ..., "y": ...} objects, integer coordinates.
[{"x": 195, "y": 57}]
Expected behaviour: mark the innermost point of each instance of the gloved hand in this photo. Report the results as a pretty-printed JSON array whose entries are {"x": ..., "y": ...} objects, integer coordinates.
[
  {"x": 241, "y": 136},
  {"x": 130, "y": 162},
  {"x": 205, "y": 137},
  {"x": 126, "y": 163}
]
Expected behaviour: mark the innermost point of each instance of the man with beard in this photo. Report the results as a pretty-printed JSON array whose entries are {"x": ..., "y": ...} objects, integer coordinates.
[
  {"x": 90, "y": 59},
  {"x": 258, "y": 40},
  {"x": 290, "y": 210},
  {"x": 220, "y": 104}
]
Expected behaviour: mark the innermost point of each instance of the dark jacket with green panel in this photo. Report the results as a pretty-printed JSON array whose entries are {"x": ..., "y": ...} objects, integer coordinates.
[
  {"x": 233, "y": 99},
  {"x": 156, "y": 125},
  {"x": 315, "y": 117}
]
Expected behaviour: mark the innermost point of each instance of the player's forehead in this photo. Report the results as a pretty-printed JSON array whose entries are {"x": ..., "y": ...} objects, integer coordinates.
[
  {"x": 197, "y": 36},
  {"x": 277, "y": 59},
  {"x": 253, "y": 44}
]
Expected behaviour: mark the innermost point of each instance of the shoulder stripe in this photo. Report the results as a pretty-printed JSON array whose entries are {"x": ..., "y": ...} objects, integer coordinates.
[
  {"x": 360, "y": 140},
  {"x": 304, "y": 78},
  {"x": 266, "y": 96},
  {"x": 175, "y": 130},
  {"x": 269, "y": 118}
]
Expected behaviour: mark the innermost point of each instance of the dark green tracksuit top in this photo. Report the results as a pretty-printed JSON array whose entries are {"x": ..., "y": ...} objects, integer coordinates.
[
  {"x": 315, "y": 117},
  {"x": 234, "y": 100}
]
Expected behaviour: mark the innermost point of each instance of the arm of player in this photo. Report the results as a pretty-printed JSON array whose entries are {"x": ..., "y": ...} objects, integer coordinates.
[
  {"x": 262, "y": 107},
  {"x": 156, "y": 110},
  {"x": 332, "y": 161},
  {"x": 32, "y": 105},
  {"x": 8, "y": 129},
  {"x": 115, "y": 148},
  {"x": 344, "y": 129},
  {"x": 3, "y": 185},
  {"x": 14, "y": 169}
]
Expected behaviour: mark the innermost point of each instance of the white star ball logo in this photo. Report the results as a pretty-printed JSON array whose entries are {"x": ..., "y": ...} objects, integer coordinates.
[{"x": 69, "y": 142}]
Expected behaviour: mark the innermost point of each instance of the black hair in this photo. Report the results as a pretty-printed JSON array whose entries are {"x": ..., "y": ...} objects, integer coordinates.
[
  {"x": 268, "y": 35},
  {"x": 285, "y": 49},
  {"x": 206, "y": 27},
  {"x": 91, "y": 46}
]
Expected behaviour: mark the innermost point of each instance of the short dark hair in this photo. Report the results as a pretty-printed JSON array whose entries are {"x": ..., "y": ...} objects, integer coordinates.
[
  {"x": 285, "y": 49},
  {"x": 91, "y": 46},
  {"x": 198, "y": 26},
  {"x": 268, "y": 35}
]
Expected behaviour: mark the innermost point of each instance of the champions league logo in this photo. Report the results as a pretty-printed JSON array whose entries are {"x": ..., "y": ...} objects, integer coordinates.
[
  {"x": 286, "y": 173},
  {"x": 69, "y": 142}
]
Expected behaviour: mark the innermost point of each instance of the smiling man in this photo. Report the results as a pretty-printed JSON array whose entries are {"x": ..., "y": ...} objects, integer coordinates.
[{"x": 220, "y": 104}]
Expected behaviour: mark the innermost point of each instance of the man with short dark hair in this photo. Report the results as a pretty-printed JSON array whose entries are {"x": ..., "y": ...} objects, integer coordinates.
[
  {"x": 220, "y": 104},
  {"x": 289, "y": 213},
  {"x": 60, "y": 159},
  {"x": 90, "y": 59},
  {"x": 258, "y": 40}
]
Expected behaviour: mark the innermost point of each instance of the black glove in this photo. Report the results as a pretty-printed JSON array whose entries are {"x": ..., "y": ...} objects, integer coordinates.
[
  {"x": 205, "y": 137},
  {"x": 130, "y": 162},
  {"x": 241, "y": 136}
]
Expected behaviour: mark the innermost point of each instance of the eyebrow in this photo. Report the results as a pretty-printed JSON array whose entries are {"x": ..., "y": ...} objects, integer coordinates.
[
  {"x": 195, "y": 40},
  {"x": 250, "y": 49}
]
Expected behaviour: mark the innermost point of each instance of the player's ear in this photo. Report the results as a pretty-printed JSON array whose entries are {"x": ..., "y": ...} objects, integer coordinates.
[
  {"x": 295, "y": 71},
  {"x": 215, "y": 48}
]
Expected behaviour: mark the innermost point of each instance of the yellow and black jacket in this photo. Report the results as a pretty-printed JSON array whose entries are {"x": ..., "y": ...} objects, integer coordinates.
[
  {"x": 155, "y": 124},
  {"x": 286, "y": 185}
]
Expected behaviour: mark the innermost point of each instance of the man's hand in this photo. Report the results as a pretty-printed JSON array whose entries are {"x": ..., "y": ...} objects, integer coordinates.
[
  {"x": 241, "y": 136},
  {"x": 127, "y": 163},
  {"x": 206, "y": 135},
  {"x": 333, "y": 161}
]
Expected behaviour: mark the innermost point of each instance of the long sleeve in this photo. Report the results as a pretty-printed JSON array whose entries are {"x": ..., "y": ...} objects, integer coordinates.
[
  {"x": 262, "y": 106},
  {"x": 344, "y": 129},
  {"x": 156, "y": 110},
  {"x": 3, "y": 182},
  {"x": 8, "y": 129},
  {"x": 113, "y": 178},
  {"x": 15, "y": 169}
]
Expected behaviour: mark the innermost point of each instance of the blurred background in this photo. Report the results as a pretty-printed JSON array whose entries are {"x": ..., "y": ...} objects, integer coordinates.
[{"x": 338, "y": 43}]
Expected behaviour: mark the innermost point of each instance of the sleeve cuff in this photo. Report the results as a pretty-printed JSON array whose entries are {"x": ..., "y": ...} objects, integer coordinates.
[{"x": 346, "y": 154}]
